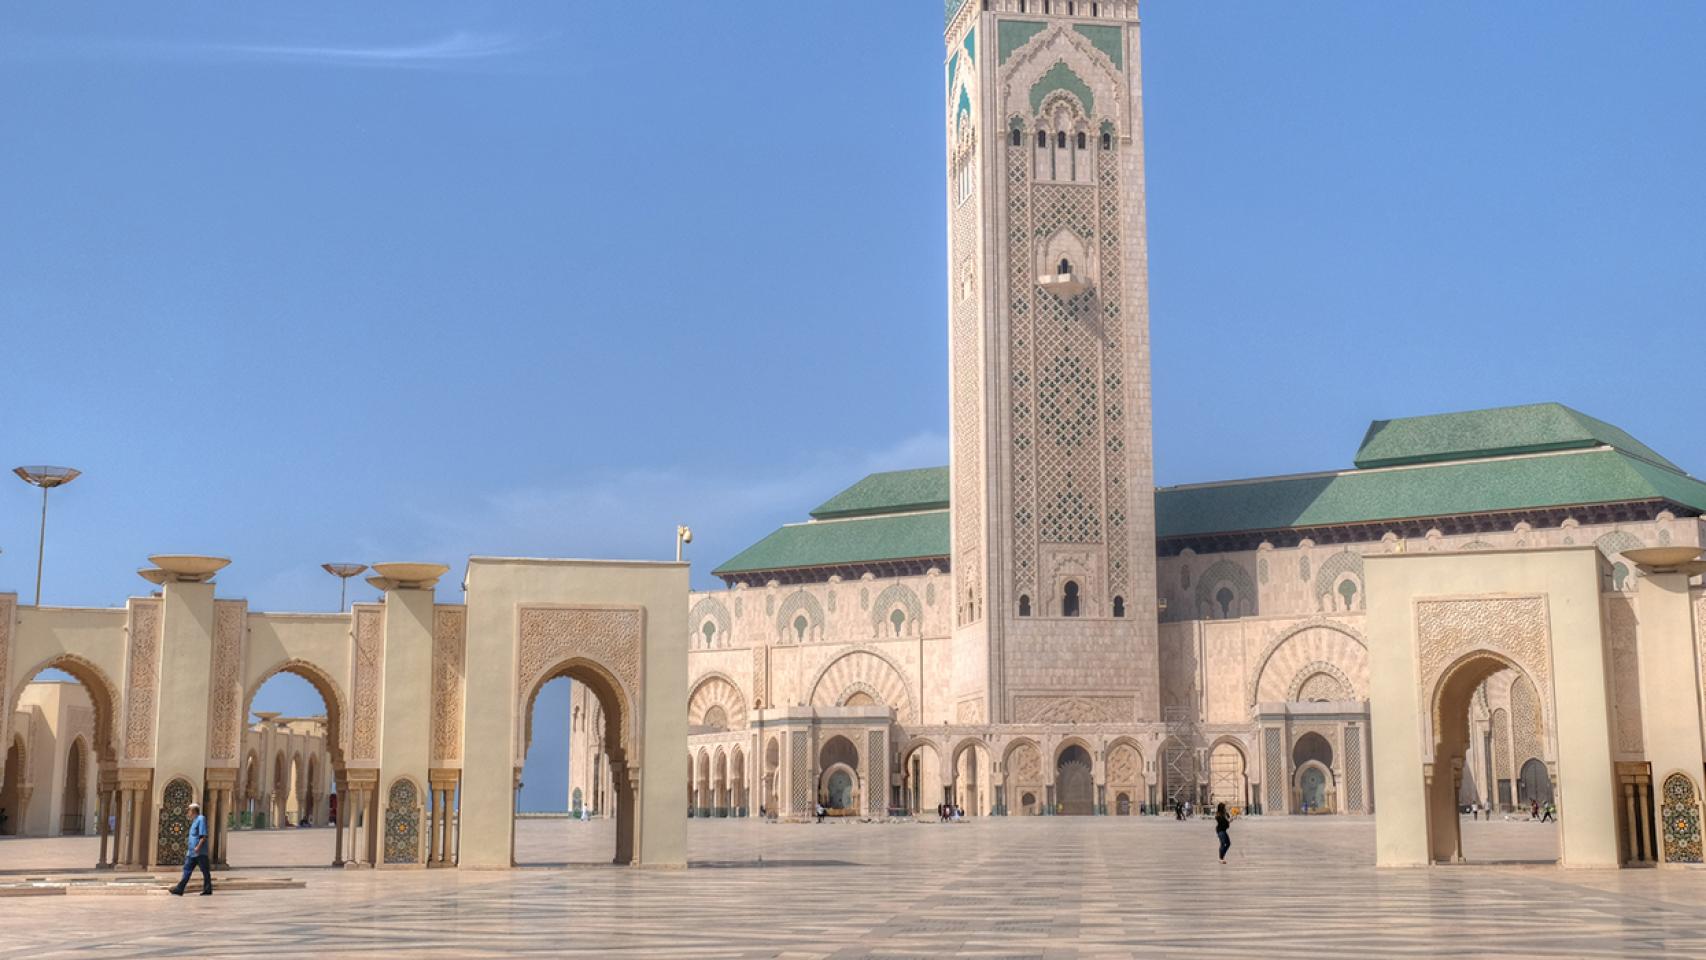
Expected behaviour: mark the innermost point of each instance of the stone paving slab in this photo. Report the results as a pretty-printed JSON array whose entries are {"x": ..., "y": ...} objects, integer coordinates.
[{"x": 1018, "y": 887}]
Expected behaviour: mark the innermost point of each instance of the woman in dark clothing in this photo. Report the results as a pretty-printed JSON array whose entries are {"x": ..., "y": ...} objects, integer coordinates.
[{"x": 1223, "y": 823}]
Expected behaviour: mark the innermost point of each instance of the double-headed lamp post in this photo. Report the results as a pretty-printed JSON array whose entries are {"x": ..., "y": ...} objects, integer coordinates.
[
  {"x": 46, "y": 478},
  {"x": 343, "y": 571}
]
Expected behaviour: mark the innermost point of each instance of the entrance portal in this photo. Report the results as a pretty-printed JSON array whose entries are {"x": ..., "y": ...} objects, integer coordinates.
[{"x": 1074, "y": 782}]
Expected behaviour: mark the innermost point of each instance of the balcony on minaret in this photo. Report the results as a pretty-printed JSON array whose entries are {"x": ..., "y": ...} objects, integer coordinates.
[{"x": 1064, "y": 283}]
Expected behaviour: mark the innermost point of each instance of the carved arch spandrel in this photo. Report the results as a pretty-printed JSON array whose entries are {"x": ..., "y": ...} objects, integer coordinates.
[
  {"x": 1515, "y": 628},
  {"x": 602, "y": 646}
]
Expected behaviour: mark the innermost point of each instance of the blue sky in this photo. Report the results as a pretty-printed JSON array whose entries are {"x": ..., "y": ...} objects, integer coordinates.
[{"x": 415, "y": 281}]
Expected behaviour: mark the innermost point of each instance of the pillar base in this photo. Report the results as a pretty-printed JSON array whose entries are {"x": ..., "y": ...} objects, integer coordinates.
[{"x": 106, "y": 866}]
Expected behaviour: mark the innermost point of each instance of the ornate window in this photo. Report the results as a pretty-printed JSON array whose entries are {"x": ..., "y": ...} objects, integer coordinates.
[
  {"x": 1081, "y": 143},
  {"x": 1069, "y": 599},
  {"x": 1016, "y": 137},
  {"x": 1024, "y": 605},
  {"x": 1065, "y": 266},
  {"x": 709, "y": 630},
  {"x": 898, "y": 618},
  {"x": 1119, "y": 606},
  {"x": 1060, "y": 139},
  {"x": 1042, "y": 138}
]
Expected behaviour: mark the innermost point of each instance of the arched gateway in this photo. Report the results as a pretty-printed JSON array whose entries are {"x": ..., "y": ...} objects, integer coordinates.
[
  {"x": 171, "y": 676},
  {"x": 1600, "y": 700}
]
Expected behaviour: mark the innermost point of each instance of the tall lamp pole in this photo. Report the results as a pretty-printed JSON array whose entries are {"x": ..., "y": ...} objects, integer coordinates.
[
  {"x": 343, "y": 571},
  {"x": 46, "y": 478}
]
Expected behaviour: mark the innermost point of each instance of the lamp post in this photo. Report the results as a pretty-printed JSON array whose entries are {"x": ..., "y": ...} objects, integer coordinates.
[
  {"x": 46, "y": 478},
  {"x": 343, "y": 571},
  {"x": 682, "y": 535}
]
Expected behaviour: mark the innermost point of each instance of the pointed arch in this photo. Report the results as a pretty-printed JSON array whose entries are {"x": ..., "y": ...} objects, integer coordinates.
[
  {"x": 799, "y": 604},
  {"x": 896, "y": 597},
  {"x": 716, "y": 690},
  {"x": 331, "y": 695},
  {"x": 1259, "y": 672},
  {"x": 874, "y": 672}
]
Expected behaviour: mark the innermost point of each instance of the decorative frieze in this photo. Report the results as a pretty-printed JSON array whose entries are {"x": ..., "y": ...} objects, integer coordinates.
[
  {"x": 367, "y": 665},
  {"x": 449, "y": 627},
  {"x": 610, "y": 639},
  {"x": 225, "y": 682}
]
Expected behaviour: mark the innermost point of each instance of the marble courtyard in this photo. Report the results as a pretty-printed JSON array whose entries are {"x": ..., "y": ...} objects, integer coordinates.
[{"x": 998, "y": 887}]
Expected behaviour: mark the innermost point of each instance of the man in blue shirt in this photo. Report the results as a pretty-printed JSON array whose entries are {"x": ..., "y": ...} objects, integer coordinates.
[{"x": 196, "y": 855}]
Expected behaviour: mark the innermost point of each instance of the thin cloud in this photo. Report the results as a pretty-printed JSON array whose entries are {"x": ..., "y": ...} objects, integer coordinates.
[
  {"x": 461, "y": 48},
  {"x": 455, "y": 48}
]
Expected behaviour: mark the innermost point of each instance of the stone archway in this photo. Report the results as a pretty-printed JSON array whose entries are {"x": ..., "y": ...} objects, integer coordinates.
[
  {"x": 973, "y": 777},
  {"x": 617, "y": 737},
  {"x": 1023, "y": 765},
  {"x": 1075, "y": 781},
  {"x": 838, "y": 786},
  {"x": 1450, "y": 708}
]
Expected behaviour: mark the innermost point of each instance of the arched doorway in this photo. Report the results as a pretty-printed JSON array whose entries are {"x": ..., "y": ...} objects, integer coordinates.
[
  {"x": 1313, "y": 787},
  {"x": 1452, "y": 704},
  {"x": 737, "y": 782},
  {"x": 702, "y": 785},
  {"x": 1024, "y": 782},
  {"x": 1075, "y": 782},
  {"x": 1178, "y": 773},
  {"x": 1534, "y": 785},
  {"x": 972, "y": 778},
  {"x": 772, "y": 763},
  {"x": 75, "y": 800},
  {"x": 98, "y": 768},
  {"x": 838, "y": 785},
  {"x": 1226, "y": 780},
  {"x": 289, "y": 745},
  {"x": 535, "y": 842},
  {"x": 1125, "y": 778},
  {"x": 12, "y": 797},
  {"x": 921, "y": 778}
]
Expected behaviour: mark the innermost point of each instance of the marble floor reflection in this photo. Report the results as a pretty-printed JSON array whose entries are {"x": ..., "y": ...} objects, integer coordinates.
[{"x": 1017, "y": 887}]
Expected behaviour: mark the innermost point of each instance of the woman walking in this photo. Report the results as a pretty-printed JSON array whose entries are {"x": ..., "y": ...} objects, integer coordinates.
[{"x": 1223, "y": 823}]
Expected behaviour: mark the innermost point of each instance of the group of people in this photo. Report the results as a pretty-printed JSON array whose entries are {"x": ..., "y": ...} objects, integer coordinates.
[
  {"x": 947, "y": 812},
  {"x": 1543, "y": 812}
]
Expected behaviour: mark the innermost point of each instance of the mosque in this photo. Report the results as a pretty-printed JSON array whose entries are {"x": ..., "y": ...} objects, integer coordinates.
[
  {"x": 1034, "y": 629},
  {"x": 1496, "y": 607}
]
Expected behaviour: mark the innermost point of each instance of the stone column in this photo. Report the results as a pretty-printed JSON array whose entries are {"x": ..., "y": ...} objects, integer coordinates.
[
  {"x": 126, "y": 828},
  {"x": 101, "y": 800},
  {"x": 343, "y": 817},
  {"x": 405, "y": 730}
]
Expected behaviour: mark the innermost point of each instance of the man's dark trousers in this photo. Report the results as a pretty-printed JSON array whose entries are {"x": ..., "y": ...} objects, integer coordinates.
[{"x": 191, "y": 861}]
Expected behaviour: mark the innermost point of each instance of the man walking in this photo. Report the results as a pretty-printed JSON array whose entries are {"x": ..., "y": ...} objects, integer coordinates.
[{"x": 196, "y": 855}]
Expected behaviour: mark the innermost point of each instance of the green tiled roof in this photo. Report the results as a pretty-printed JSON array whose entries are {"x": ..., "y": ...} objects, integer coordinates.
[
  {"x": 1432, "y": 490},
  {"x": 897, "y": 491},
  {"x": 1532, "y": 428},
  {"x": 1535, "y": 457},
  {"x": 830, "y": 543}
]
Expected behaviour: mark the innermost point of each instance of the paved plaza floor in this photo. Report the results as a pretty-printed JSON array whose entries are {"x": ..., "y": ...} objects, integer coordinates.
[{"x": 1015, "y": 887}]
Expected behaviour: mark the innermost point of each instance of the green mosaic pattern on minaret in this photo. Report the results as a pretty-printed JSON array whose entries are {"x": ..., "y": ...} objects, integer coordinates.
[
  {"x": 1106, "y": 39},
  {"x": 1010, "y": 35},
  {"x": 1061, "y": 77}
]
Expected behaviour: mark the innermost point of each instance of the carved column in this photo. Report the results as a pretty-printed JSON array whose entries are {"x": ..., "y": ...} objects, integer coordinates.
[{"x": 102, "y": 798}]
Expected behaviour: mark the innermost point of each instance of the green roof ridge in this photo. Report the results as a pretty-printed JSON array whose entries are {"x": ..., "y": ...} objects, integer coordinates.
[
  {"x": 891, "y": 491},
  {"x": 1494, "y": 432}
]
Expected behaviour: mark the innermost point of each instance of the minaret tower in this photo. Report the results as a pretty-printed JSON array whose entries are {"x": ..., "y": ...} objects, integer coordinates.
[{"x": 1053, "y": 507}]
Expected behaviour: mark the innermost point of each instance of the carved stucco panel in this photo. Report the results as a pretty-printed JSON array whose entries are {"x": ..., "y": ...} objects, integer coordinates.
[
  {"x": 368, "y": 665},
  {"x": 1625, "y": 673},
  {"x": 1073, "y": 709},
  {"x": 611, "y": 637},
  {"x": 1516, "y": 628},
  {"x": 449, "y": 631},
  {"x": 142, "y": 680},
  {"x": 225, "y": 700}
]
